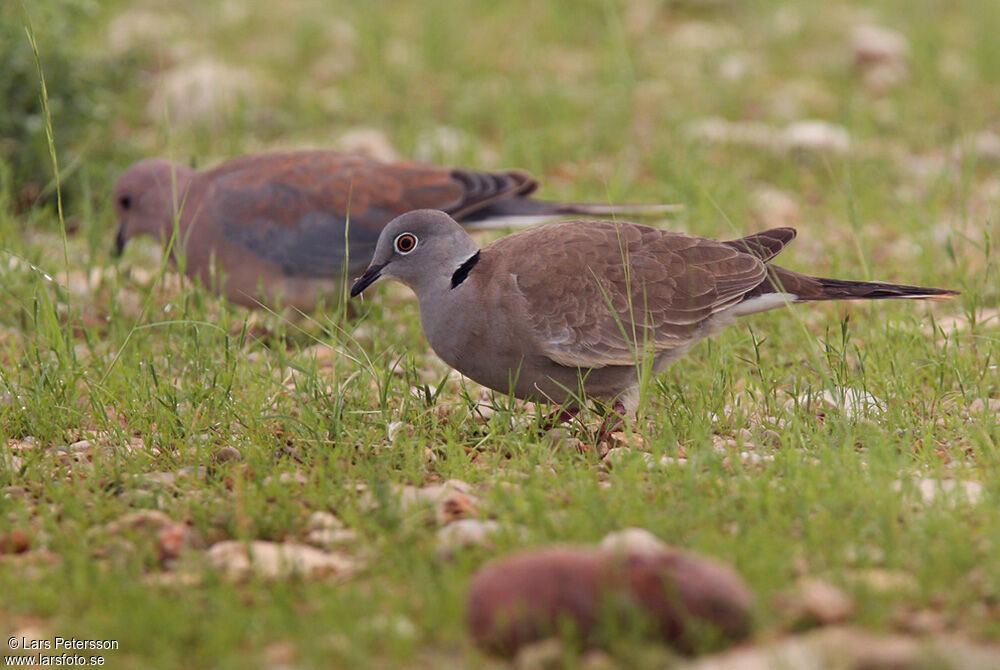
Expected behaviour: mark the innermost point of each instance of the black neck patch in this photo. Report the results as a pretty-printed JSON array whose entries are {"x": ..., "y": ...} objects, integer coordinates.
[{"x": 463, "y": 270}]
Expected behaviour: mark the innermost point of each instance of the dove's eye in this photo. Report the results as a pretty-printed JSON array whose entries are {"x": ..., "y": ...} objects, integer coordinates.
[
  {"x": 125, "y": 202},
  {"x": 405, "y": 243}
]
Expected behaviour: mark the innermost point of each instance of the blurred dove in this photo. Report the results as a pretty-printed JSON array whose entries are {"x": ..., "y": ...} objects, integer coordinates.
[{"x": 286, "y": 229}]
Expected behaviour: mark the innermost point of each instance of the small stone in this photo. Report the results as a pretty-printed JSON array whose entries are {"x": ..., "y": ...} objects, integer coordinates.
[
  {"x": 817, "y": 603},
  {"x": 671, "y": 461},
  {"x": 202, "y": 92},
  {"x": 326, "y": 530},
  {"x": 273, "y": 560},
  {"x": 773, "y": 207},
  {"x": 770, "y": 437},
  {"x": 835, "y": 647},
  {"x": 545, "y": 654},
  {"x": 172, "y": 540},
  {"x": 879, "y": 580},
  {"x": 854, "y": 403},
  {"x": 451, "y": 500},
  {"x": 531, "y": 595},
  {"x": 990, "y": 405},
  {"x": 558, "y": 436},
  {"x": 139, "y": 29},
  {"x": 443, "y": 144},
  {"x": 14, "y": 541},
  {"x": 815, "y": 135},
  {"x": 228, "y": 454},
  {"x": 923, "y": 622},
  {"x": 734, "y": 67},
  {"x": 393, "y": 430},
  {"x": 141, "y": 520},
  {"x": 595, "y": 659},
  {"x": 369, "y": 142},
  {"x": 465, "y": 533},
  {"x": 154, "y": 480},
  {"x": 455, "y": 506},
  {"x": 875, "y": 45},
  {"x": 986, "y": 146},
  {"x": 324, "y": 521},
  {"x": 15, "y": 493},
  {"x": 28, "y": 443},
  {"x": 398, "y": 626},
  {"x": 618, "y": 456},
  {"x": 279, "y": 655},
  {"x": 880, "y": 56},
  {"x": 721, "y": 131},
  {"x": 327, "y": 538},
  {"x": 628, "y": 440},
  {"x": 199, "y": 472},
  {"x": 633, "y": 541},
  {"x": 81, "y": 447},
  {"x": 947, "y": 490},
  {"x": 296, "y": 478}
]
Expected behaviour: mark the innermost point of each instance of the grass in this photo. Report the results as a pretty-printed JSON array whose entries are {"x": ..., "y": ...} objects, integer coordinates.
[{"x": 596, "y": 101}]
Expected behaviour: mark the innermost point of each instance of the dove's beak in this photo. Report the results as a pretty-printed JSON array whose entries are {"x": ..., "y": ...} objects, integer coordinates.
[
  {"x": 120, "y": 241},
  {"x": 371, "y": 275}
]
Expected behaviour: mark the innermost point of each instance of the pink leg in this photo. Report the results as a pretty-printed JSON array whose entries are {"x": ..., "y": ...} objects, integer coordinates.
[
  {"x": 613, "y": 421},
  {"x": 558, "y": 416}
]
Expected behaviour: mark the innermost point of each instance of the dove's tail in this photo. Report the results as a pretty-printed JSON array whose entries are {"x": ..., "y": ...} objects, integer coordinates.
[
  {"x": 783, "y": 286},
  {"x": 808, "y": 289}
]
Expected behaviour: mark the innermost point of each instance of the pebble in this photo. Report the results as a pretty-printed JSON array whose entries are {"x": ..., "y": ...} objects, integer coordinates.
[
  {"x": 854, "y": 403},
  {"x": 815, "y": 135},
  {"x": 990, "y": 405},
  {"x": 947, "y": 490},
  {"x": 814, "y": 602},
  {"x": 326, "y": 530},
  {"x": 880, "y": 55},
  {"x": 527, "y": 596},
  {"x": 874, "y": 44},
  {"x": 849, "y": 647},
  {"x": 633, "y": 541},
  {"x": 274, "y": 560},
  {"x": 172, "y": 539},
  {"x": 881, "y": 580},
  {"x": 14, "y": 541},
  {"x": 369, "y": 142},
  {"x": 773, "y": 207},
  {"x": 201, "y": 92},
  {"x": 228, "y": 454},
  {"x": 465, "y": 533},
  {"x": 139, "y": 520},
  {"x": 451, "y": 500}
]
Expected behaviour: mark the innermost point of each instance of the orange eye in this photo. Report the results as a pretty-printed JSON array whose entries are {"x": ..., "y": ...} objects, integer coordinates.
[{"x": 405, "y": 243}]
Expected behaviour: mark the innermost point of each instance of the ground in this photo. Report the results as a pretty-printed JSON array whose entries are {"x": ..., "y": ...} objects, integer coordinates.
[{"x": 144, "y": 422}]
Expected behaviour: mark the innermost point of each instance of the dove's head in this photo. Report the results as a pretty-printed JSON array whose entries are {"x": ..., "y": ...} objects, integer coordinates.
[
  {"x": 147, "y": 198},
  {"x": 421, "y": 249}
]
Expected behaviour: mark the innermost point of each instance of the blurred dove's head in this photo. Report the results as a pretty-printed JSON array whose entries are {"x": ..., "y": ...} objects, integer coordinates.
[{"x": 145, "y": 198}]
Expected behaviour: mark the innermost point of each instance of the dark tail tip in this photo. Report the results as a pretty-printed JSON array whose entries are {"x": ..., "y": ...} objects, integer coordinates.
[{"x": 838, "y": 289}]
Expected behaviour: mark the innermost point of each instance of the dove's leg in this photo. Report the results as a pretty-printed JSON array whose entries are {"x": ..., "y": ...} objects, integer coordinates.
[
  {"x": 612, "y": 422},
  {"x": 558, "y": 416}
]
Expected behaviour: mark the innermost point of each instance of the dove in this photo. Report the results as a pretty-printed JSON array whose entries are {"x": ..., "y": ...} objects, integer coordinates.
[
  {"x": 287, "y": 228},
  {"x": 572, "y": 310}
]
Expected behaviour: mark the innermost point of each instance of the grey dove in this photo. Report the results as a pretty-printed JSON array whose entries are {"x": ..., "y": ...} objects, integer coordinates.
[
  {"x": 575, "y": 306},
  {"x": 285, "y": 228}
]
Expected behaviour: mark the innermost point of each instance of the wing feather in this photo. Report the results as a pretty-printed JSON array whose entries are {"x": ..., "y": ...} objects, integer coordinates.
[
  {"x": 596, "y": 292},
  {"x": 291, "y": 209}
]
